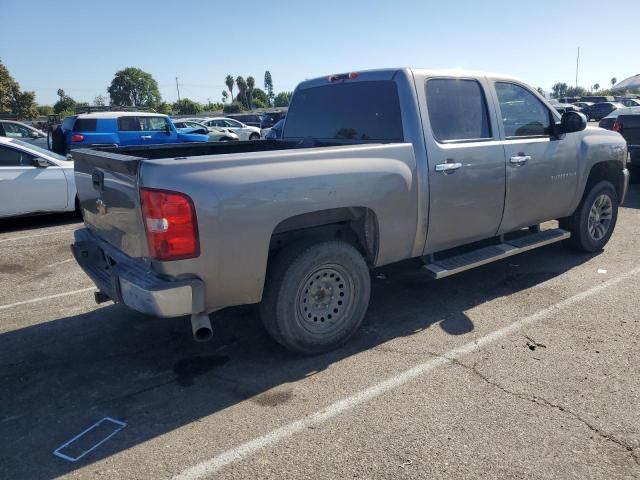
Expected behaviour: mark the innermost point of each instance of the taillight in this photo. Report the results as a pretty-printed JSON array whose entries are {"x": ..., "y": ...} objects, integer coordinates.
[
  {"x": 170, "y": 223},
  {"x": 77, "y": 138},
  {"x": 617, "y": 126}
]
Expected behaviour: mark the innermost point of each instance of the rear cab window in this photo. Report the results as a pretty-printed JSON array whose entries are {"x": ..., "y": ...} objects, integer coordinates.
[
  {"x": 364, "y": 111},
  {"x": 457, "y": 110}
]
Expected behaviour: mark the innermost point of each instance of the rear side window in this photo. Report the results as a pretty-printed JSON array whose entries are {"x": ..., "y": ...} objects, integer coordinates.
[
  {"x": 360, "y": 111},
  {"x": 128, "y": 124},
  {"x": 523, "y": 114},
  {"x": 67, "y": 123},
  {"x": 457, "y": 110},
  {"x": 85, "y": 125},
  {"x": 153, "y": 124}
]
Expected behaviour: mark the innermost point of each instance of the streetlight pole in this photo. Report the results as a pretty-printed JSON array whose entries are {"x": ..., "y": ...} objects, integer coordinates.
[{"x": 577, "y": 63}]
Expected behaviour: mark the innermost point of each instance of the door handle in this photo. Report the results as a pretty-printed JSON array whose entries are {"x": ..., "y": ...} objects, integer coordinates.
[
  {"x": 145, "y": 137},
  {"x": 520, "y": 159},
  {"x": 447, "y": 167}
]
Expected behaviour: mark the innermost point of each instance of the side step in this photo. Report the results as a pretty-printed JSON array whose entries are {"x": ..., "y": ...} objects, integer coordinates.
[{"x": 466, "y": 261}]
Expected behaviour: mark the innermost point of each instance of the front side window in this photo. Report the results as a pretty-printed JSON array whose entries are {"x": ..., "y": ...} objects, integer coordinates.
[
  {"x": 153, "y": 124},
  {"x": 11, "y": 157},
  {"x": 457, "y": 110},
  {"x": 233, "y": 124},
  {"x": 13, "y": 130},
  {"x": 523, "y": 114}
]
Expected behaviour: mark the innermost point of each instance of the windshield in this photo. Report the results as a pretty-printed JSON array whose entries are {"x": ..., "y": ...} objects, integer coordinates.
[
  {"x": 40, "y": 150},
  {"x": 363, "y": 111}
]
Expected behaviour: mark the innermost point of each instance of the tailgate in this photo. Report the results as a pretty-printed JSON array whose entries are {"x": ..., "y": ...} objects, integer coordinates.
[{"x": 107, "y": 185}]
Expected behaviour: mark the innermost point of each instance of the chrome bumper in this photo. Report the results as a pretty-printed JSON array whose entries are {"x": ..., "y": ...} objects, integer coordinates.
[{"x": 131, "y": 282}]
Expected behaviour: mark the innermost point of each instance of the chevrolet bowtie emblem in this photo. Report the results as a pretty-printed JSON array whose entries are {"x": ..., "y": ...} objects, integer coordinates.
[{"x": 101, "y": 207}]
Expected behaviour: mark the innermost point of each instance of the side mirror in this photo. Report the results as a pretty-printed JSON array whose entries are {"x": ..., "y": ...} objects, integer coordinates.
[
  {"x": 572, "y": 122},
  {"x": 40, "y": 162}
]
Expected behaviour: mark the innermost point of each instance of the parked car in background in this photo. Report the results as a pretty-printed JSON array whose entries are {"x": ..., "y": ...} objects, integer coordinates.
[
  {"x": 269, "y": 119},
  {"x": 250, "y": 119},
  {"x": 34, "y": 180},
  {"x": 245, "y": 132},
  {"x": 117, "y": 128},
  {"x": 566, "y": 107},
  {"x": 20, "y": 131},
  {"x": 608, "y": 121},
  {"x": 274, "y": 132},
  {"x": 569, "y": 99},
  {"x": 373, "y": 168},
  {"x": 214, "y": 134},
  {"x": 630, "y": 102},
  {"x": 597, "y": 98},
  {"x": 627, "y": 124},
  {"x": 583, "y": 105},
  {"x": 600, "y": 110}
]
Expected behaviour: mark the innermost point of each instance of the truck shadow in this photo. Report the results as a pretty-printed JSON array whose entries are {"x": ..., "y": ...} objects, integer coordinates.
[
  {"x": 61, "y": 376},
  {"x": 34, "y": 222}
]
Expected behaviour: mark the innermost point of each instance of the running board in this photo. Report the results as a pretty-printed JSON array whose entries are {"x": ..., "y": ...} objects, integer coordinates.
[{"x": 466, "y": 261}]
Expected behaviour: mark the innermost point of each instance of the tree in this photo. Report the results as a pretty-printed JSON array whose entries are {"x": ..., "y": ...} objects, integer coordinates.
[
  {"x": 242, "y": 87},
  {"x": 213, "y": 107},
  {"x": 12, "y": 99},
  {"x": 164, "y": 108},
  {"x": 230, "y": 82},
  {"x": 596, "y": 86},
  {"x": 134, "y": 87},
  {"x": 282, "y": 99},
  {"x": 614, "y": 80},
  {"x": 260, "y": 96},
  {"x": 251, "y": 84},
  {"x": 225, "y": 96},
  {"x": 65, "y": 103},
  {"x": 44, "y": 110},
  {"x": 186, "y": 106},
  {"x": 99, "y": 100},
  {"x": 540, "y": 91},
  {"x": 576, "y": 92},
  {"x": 268, "y": 86},
  {"x": 559, "y": 90},
  {"x": 257, "y": 103}
]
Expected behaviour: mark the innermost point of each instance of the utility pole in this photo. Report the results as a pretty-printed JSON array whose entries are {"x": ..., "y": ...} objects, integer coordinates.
[
  {"x": 577, "y": 63},
  {"x": 178, "y": 88}
]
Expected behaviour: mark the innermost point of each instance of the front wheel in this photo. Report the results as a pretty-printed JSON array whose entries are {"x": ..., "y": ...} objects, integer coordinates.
[
  {"x": 254, "y": 136},
  {"x": 593, "y": 222},
  {"x": 316, "y": 296}
]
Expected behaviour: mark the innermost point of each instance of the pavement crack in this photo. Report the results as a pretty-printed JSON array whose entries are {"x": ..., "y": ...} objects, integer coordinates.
[{"x": 546, "y": 403}]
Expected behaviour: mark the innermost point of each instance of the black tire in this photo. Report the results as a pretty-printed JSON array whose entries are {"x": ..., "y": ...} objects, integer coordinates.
[
  {"x": 58, "y": 142},
  {"x": 601, "y": 202},
  {"x": 332, "y": 273},
  {"x": 254, "y": 136},
  {"x": 225, "y": 139}
]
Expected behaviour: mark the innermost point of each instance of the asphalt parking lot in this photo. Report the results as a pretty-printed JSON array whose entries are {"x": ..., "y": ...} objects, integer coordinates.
[{"x": 526, "y": 368}]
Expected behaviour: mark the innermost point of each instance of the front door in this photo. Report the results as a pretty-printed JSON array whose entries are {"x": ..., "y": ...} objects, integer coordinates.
[
  {"x": 28, "y": 189},
  {"x": 156, "y": 130},
  {"x": 466, "y": 163},
  {"x": 541, "y": 169}
]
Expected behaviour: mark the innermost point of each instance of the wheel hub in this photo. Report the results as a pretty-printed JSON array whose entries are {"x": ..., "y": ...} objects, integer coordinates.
[
  {"x": 324, "y": 299},
  {"x": 600, "y": 217}
]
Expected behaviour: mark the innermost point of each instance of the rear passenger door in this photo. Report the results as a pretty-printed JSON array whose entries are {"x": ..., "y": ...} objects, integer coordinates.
[
  {"x": 466, "y": 162},
  {"x": 541, "y": 169}
]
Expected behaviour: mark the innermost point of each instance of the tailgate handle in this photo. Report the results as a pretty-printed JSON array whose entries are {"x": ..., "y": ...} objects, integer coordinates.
[{"x": 97, "y": 179}]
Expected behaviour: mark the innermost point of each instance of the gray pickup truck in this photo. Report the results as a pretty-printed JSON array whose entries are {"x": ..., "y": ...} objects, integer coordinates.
[{"x": 457, "y": 168}]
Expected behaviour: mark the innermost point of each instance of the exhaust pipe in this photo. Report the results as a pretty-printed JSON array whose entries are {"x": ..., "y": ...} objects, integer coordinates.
[{"x": 201, "y": 327}]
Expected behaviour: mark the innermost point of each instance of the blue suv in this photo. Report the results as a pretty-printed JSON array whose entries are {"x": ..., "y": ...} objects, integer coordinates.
[{"x": 115, "y": 129}]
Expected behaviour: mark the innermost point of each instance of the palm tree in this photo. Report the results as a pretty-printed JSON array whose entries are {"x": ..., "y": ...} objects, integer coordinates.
[
  {"x": 229, "y": 83},
  {"x": 225, "y": 96},
  {"x": 596, "y": 86},
  {"x": 251, "y": 84},
  {"x": 614, "y": 80},
  {"x": 242, "y": 89}
]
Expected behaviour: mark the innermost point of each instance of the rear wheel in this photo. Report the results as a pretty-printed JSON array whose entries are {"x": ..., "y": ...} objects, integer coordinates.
[
  {"x": 593, "y": 222},
  {"x": 316, "y": 296}
]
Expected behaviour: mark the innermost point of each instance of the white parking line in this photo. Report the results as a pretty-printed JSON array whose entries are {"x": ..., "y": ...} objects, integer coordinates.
[
  {"x": 25, "y": 237},
  {"x": 48, "y": 297},
  {"x": 60, "y": 263},
  {"x": 209, "y": 467}
]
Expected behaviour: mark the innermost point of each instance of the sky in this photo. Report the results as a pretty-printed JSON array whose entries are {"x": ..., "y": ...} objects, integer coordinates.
[{"x": 79, "y": 45}]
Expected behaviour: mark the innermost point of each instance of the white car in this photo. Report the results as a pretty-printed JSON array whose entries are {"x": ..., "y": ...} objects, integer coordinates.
[
  {"x": 245, "y": 132},
  {"x": 34, "y": 180},
  {"x": 12, "y": 129}
]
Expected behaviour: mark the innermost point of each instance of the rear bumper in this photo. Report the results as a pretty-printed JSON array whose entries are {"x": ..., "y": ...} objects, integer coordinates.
[{"x": 131, "y": 282}]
